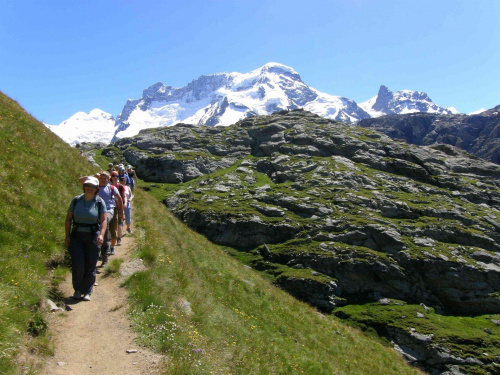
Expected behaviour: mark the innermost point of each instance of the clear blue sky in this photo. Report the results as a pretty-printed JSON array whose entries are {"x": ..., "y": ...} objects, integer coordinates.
[{"x": 61, "y": 57}]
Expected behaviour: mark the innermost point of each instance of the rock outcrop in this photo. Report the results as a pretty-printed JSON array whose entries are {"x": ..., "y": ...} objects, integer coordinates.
[
  {"x": 477, "y": 134},
  {"x": 340, "y": 214},
  {"x": 425, "y": 219}
]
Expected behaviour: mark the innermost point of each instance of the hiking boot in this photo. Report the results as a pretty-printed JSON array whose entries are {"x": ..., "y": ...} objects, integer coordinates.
[
  {"x": 86, "y": 297},
  {"x": 112, "y": 251},
  {"x": 104, "y": 260},
  {"x": 119, "y": 242},
  {"x": 128, "y": 230},
  {"x": 77, "y": 295}
]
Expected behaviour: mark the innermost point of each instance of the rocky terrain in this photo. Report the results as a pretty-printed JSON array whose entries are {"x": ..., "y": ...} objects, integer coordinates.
[
  {"x": 477, "y": 134},
  {"x": 340, "y": 216}
]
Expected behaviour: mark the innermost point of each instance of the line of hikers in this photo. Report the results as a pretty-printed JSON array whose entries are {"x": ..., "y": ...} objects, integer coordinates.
[{"x": 95, "y": 223}]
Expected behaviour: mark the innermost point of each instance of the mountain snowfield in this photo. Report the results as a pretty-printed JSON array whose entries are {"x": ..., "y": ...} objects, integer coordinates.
[
  {"x": 96, "y": 126},
  {"x": 225, "y": 98}
]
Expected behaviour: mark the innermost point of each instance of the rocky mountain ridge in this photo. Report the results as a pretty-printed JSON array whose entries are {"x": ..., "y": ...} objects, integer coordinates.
[
  {"x": 405, "y": 101},
  {"x": 478, "y": 134}
]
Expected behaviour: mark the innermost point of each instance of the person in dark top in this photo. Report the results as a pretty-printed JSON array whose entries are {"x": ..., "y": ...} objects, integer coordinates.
[
  {"x": 110, "y": 168},
  {"x": 132, "y": 177},
  {"x": 85, "y": 227}
]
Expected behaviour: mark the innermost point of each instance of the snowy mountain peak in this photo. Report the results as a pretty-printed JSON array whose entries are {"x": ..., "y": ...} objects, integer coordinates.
[
  {"x": 95, "y": 114},
  {"x": 225, "y": 98},
  {"x": 280, "y": 69},
  {"x": 384, "y": 96},
  {"x": 154, "y": 89},
  {"x": 384, "y": 90},
  {"x": 387, "y": 102},
  {"x": 95, "y": 126}
]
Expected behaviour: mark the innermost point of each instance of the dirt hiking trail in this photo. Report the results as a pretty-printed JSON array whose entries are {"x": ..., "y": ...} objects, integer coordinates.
[{"x": 94, "y": 337}]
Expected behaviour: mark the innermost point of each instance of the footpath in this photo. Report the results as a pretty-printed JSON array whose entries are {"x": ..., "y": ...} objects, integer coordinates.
[{"x": 96, "y": 337}]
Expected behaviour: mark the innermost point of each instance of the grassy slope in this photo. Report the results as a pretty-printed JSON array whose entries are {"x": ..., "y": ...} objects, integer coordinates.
[
  {"x": 38, "y": 174},
  {"x": 239, "y": 322}
]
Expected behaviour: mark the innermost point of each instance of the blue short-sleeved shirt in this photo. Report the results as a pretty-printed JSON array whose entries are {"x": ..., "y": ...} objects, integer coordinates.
[
  {"x": 107, "y": 193},
  {"x": 126, "y": 176},
  {"x": 86, "y": 212}
]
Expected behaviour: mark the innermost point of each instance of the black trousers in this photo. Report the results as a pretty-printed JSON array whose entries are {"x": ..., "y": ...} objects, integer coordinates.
[{"x": 84, "y": 255}]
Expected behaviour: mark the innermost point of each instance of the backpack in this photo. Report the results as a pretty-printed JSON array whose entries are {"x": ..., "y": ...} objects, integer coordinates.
[
  {"x": 97, "y": 225},
  {"x": 121, "y": 189}
]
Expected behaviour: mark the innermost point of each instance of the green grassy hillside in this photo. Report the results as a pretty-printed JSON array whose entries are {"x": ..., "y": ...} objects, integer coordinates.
[
  {"x": 38, "y": 177},
  {"x": 197, "y": 305}
]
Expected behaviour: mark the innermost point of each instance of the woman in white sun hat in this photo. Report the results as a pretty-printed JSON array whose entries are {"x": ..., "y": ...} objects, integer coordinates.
[{"x": 85, "y": 227}]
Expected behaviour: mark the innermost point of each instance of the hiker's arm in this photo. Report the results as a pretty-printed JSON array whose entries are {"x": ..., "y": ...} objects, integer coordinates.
[
  {"x": 124, "y": 197},
  {"x": 104, "y": 224},
  {"x": 119, "y": 203},
  {"x": 67, "y": 227}
]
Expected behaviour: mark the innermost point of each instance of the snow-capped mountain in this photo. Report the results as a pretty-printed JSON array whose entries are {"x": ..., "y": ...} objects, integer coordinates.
[
  {"x": 478, "y": 111},
  {"x": 387, "y": 102},
  {"x": 96, "y": 126},
  {"x": 225, "y": 98}
]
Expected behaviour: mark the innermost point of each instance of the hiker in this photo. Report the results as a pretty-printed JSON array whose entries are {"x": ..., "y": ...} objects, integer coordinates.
[
  {"x": 122, "y": 173},
  {"x": 129, "y": 195},
  {"x": 87, "y": 213},
  {"x": 110, "y": 168},
  {"x": 132, "y": 177},
  {"x": 114, "y": 209},
  {"x": 121, "y": 190}
]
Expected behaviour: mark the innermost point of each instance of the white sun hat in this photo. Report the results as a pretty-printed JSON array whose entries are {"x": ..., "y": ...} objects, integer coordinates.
[{"x": 92, "y": 181}]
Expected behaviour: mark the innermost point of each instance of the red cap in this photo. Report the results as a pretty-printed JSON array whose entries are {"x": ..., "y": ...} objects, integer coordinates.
[{"x": 114, "y": 173}]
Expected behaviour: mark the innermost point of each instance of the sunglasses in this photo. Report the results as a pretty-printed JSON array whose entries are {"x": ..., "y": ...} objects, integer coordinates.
[{"x": 90, "y": 186}]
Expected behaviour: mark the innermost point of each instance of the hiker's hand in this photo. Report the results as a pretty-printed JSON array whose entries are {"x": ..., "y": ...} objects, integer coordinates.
[
  {"x": 66, "y": 241},
  {"x": 100, "y": 240}
]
